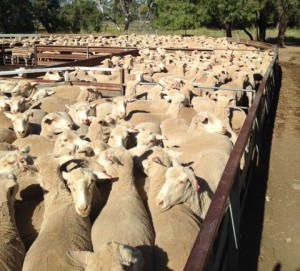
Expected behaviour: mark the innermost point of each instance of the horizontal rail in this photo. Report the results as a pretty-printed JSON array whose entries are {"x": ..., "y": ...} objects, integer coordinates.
[{"x": 59, "y": 69}]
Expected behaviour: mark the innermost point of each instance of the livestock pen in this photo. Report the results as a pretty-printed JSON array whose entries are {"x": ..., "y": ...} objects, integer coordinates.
[{"x": 217, "y": 244}]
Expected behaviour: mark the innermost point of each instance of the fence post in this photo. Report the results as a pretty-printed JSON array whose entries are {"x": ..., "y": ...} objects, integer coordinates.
[{"x": 122, "y": 81}]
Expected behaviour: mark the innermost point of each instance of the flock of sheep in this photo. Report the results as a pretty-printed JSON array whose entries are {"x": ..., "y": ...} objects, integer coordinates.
[{"x": 123, "y": 183}]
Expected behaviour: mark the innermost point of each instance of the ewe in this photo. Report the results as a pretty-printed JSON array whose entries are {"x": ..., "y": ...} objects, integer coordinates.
[
  {"x": 12, "y": 250},
  {"x": 169, "y": 253},
  {"x": 62, "y": 228},
  {"x": 124, "y": 218}
]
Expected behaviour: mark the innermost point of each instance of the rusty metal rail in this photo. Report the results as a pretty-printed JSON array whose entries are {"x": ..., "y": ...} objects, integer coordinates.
[{"x": 217, "y": 244}]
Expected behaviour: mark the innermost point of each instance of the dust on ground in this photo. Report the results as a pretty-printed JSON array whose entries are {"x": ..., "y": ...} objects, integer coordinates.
[{"x": 270, "y": 228}]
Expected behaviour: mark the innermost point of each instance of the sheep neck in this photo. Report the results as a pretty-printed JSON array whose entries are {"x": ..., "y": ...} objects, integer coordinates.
[
  {"x": 193, "y": 202},
  {"x": 174, "y": 109}
]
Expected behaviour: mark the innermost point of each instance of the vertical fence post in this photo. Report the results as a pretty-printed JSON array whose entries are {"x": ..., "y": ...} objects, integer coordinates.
[{"x": 122, "y": 81}]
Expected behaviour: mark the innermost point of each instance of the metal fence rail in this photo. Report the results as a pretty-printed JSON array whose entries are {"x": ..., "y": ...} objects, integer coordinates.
[{"x": 217, "y": 244}]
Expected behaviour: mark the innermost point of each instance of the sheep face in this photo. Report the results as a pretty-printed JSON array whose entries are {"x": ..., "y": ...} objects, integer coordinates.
[
  {"x": 55, "y": 123},
  {"x": 179, "y": 185},
  {"x": 113, "y": 256},
  {"x": 15, "y": 161},
  {"x": 16, "y": 104},
  {"x": 81, "y": 182},
  {"x": 68, "y": 142},
  {"x": 81, "y": 112},
  {"x": 4, "y": 103},
  {"x": 20, "y": 122},
  {"x": 119, "y": 106}
]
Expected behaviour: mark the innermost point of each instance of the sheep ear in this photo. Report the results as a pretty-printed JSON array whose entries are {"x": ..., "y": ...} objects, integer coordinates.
[
  {"x": 26, "y": 149},
  {"x": 192, "y": 178},
  {"x": 68, "y": 106},
  {"x": 8, "y": 114},
  {"x": 80, "y": 257},
  {"x": 48, "y": 121},
  {"x": 65, "y": 176},
  {"x": 101, "y": 175},
  {"x": 50, "y": 92}
]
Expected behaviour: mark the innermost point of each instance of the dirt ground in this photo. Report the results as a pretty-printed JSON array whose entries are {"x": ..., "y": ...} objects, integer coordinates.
[{"x": 270, "y": 228}]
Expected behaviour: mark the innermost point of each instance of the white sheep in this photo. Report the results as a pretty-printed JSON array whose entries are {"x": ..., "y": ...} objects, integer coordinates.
[
  {"x": 62, "y": 228},
  {"x": 89, "y": 94},
  {"x": 20, "y": 122},
  {"x": 169, "y": 253},
  {"x": 112, "y": 256},
  {"x": 55, "y": 123},
  {"x": 116, "y": 107},
  {"x": 80, "y": 112},
  {"x": 129, "y": 223},
  {"x": 12, "y": 250}
]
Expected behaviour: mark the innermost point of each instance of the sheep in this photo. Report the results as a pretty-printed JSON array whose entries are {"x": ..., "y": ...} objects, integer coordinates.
[
  {"x": 12, "y": 250},
  {"x": 53, "y": 75},
  {"x": 69, "y": 143},
  {"x": 169, "y": 253},
  {"x": 178, "y": 102},
  {"x": 52, "y": 104},
  {"x": 115, "y": 107},
  {"x": 21, "y": 124},
  {"x": 7, "y": 147},
  {"x": 40, "y": 94},
  {"x": 112, "y": 256},
  {"x": 7, "y": 135},
  {"x": 55, "y": 123},
  {"x": 120, "y": 135},
  {"x": 18, "y": 104},
  {"x": 23, "y": 88},
  {"x": 62, "y": 228},
  {"x": 180, "y": 186},
  {"x": 89, "y": 94},
  {"x": 129, "y": 223},
  {"x": 40, "y": 145},
  {"x": 4, "y": 103},
  {"x": 80, "y": 112}
]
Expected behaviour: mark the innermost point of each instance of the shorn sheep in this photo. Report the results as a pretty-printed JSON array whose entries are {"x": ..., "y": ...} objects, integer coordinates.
[
  {"x": 62, "y": 228},
  {"x": 175, "y": 230},
  {"x": 12, "y": 250},
  {"x": 124, "y": 218}
]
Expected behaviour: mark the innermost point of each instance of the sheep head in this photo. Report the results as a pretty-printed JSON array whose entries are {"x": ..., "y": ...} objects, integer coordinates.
[
  {"x": 180, "y": 184},
  {"x": 112, "y": 256},
  {"x": 81, "y": 182}
]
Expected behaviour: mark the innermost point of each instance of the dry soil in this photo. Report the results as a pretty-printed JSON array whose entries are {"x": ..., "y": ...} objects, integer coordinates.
[{"x": 270, "y": 235}]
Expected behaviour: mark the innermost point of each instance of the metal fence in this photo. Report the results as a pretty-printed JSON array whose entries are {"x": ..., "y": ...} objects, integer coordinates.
[{"x": 217, "y": 244}]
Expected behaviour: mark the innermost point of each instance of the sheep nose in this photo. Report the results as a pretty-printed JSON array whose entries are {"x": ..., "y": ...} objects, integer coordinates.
[
  {"x": 22, "y": 133},
  {"x": 83, "y": 208},
  {"x": 159, "y": 202},
  {"x": 86, "y": 121}
]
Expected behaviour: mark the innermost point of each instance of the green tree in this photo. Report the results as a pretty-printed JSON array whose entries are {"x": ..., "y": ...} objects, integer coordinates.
[
  {"x": 174, "y": 15},
  {"x": 16, "y": 16},
  {"x": 47, "y": 13},
  {"x": 228, "y": 14}
]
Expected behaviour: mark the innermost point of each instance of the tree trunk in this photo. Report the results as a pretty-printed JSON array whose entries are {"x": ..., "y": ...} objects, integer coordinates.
[
  {"x": 126, "y": 24},
  {"x": 262, "y": 32},
  {"x": 228, "y": 30},
  {"x": 248, "y": 33},
  {"x": 282, "y": 24}
]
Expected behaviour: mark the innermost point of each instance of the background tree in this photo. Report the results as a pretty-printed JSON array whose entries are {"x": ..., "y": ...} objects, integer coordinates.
[
  {"x": 12, "y": 13},
  {"x": 47, "y": 13},
  {"x": 174, "y": 15}
]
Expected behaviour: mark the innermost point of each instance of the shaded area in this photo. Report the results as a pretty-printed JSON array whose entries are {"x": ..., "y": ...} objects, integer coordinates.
[{"x": 251, "y": 223}]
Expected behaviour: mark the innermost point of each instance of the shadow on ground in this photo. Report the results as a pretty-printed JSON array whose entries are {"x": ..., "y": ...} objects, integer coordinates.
[
  {"x": 290, "y": 41},
  {"x": 251, "y": 223}
]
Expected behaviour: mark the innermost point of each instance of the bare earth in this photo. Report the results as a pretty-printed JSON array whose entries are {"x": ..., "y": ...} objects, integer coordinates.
[{"x": 270, "y": 235}]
